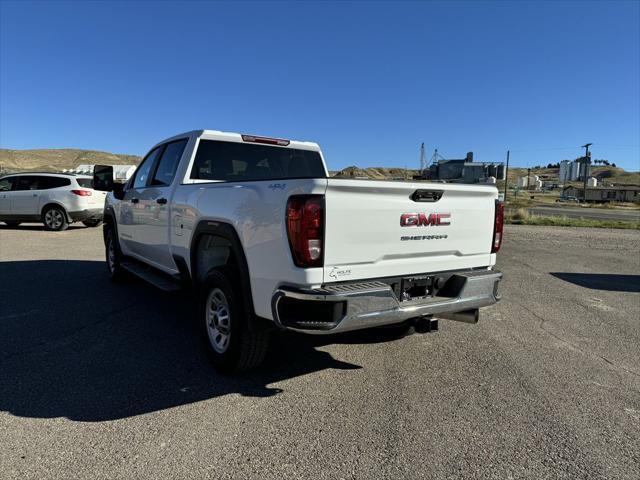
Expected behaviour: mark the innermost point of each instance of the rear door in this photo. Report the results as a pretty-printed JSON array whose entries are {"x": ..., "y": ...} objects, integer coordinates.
[
  {"x": 25, "y": 199},
  {"x": 383, "y": 229}
]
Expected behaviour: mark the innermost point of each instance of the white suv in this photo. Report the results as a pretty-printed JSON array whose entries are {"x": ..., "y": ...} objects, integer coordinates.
[{"x": 55, "y": 199}]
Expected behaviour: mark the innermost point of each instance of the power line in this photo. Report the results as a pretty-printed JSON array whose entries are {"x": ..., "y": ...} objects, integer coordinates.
[
  {"x": 621, "y": 147},
  {"x": 577, "y": 147},
  {"x": 546, "y": 149}
]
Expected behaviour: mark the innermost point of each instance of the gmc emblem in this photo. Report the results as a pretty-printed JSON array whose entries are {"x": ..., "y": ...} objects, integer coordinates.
[{"x": 423, "y": 220}]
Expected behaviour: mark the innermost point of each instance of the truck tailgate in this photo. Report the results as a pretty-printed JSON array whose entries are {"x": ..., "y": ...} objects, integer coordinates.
[{"x": 383, "y": 229}]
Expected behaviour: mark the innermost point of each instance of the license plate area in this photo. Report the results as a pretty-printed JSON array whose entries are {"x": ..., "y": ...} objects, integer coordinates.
[{"x": 416, "y": 288}]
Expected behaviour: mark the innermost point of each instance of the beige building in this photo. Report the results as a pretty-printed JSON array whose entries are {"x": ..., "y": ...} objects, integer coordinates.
[{"x": 620, "y": 193}]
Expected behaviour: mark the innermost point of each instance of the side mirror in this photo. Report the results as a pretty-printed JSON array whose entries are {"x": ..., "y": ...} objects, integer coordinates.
[
  {"x": 103, "y": 181},
  {"x": 103, "y": 178}
]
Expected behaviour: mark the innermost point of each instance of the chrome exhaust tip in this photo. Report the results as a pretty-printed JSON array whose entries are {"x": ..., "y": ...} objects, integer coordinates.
[{"x": 468, "y": 316}]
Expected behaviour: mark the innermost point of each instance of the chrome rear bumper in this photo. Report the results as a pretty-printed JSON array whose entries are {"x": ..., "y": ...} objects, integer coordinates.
[{"x": 372, "y": 304}]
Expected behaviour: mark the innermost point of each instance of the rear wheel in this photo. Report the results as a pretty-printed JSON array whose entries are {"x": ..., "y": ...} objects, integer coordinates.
[
  {"x": 55, "y": 219},
  {"x": 235, "y": 340},
  {"x": 94, "y": 222}
]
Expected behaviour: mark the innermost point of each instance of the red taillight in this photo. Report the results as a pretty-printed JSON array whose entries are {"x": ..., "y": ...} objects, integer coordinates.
[
  {"x": 497, "y": 227},
  {"x": 266, "y": 140},
  {"x": 82, "y": 193},
  {"x": 305, "y": 229}
]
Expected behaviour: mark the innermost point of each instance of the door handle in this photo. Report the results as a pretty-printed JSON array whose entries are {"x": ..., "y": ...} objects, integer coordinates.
[
  {"x": 134, "y": 200},
  {"x": 161, "y": 201},
  {"x": 426, "y": 195}
]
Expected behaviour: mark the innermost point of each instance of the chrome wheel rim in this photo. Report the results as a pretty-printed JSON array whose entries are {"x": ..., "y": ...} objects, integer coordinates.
[
  {"x": 53, "y": 218},
  {"x": 218, "y": 320}
]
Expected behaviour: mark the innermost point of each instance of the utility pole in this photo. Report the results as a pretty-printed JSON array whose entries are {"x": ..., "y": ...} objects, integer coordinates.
[
  {"x": 506, "y": 177},
  {"x": 586, "y": 163},
  {"x": 434, "y": 157}
]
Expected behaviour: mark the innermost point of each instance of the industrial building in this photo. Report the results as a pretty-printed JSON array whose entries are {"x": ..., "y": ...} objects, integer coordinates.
[
  {"x": 620, "y": 193},
  {"x": 531, "y": 182},
  {"x": 572, "y": 170},
  {"x": 465, "y": 171}
]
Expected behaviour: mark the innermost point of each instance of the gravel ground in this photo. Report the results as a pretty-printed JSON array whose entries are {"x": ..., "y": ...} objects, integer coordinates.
[{"x": 104, "y": 381}]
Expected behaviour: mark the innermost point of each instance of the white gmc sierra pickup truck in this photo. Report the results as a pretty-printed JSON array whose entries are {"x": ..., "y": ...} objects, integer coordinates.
[{"x": 258, "y": 228}]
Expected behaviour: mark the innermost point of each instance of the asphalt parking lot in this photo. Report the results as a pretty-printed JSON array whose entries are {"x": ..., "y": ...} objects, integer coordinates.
[{"x": 107, "y": 381}]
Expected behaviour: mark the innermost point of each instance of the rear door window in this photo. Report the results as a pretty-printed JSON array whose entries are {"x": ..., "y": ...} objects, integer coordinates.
[
  {"x": 243, "y": 162},
  {"x": 26, "y": 182},
  {"x": 168, "y": 163}
]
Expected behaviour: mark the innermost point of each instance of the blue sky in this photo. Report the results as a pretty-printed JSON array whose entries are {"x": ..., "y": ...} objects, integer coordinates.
[{"x": 369, "y": 81}]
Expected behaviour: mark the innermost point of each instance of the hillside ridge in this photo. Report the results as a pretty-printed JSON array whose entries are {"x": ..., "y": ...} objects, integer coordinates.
[{"x": 57, "y": 159}]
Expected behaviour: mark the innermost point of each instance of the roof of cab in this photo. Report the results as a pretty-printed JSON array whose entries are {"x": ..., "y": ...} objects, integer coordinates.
[{"x": 236, "y": 137}]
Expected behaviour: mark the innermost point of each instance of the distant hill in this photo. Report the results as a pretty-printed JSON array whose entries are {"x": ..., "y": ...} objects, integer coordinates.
[
  {"x": 376, "y": 173},
  {"x": 55, "y": 160}
]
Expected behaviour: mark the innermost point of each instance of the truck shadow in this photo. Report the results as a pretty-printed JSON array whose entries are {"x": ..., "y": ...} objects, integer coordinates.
[
  {"x": 40, "y": 227},
  {"x": 602, "y": 281},
  {"x": 74, "y": 345}
]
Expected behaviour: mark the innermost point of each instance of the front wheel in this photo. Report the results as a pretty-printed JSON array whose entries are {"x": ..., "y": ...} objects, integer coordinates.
[
  {"x": 113, "y": 256},
  {"x": 234, "y": 339},
  {"x": 55, "y": 219}
]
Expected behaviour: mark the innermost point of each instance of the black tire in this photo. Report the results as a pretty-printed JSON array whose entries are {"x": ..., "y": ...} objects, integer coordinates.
[
  {"x": 247, "y": 338},
  {"x": 12, "y": 224},
  {"x": 55, "y": 219},
  {"x": 113, "y": 256},
  {"x": 94, "y": 222}
]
